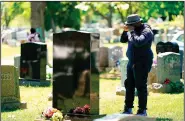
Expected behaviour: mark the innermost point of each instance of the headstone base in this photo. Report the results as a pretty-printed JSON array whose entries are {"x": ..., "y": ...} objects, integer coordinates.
[
  {"x": 30, "y": 82},
  {"x": 121, "y": 91},
  {"x": 126, "y": 117},
  {"x": 13, "y": 105},
  {"x": 23, "y": 105},
  {"x": 67, "y": 118}
]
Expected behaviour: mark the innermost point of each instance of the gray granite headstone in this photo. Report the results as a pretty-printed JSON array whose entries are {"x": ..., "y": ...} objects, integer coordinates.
[
  {"x": 115, "y": 53},
  {"x": 103, "y": 55},
  {"x": 10, "y": 93},
  {"x": 157, "y": 38},
  {"x": 123, "y": 68},
  {"x": 17, "y": 62},
  {"x": 168, "y": 66}
]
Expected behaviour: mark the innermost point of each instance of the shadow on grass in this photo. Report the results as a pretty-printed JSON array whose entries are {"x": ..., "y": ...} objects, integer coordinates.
[
  {"x": 3, "y": 110},
  {"x": 111, "y": 78}
]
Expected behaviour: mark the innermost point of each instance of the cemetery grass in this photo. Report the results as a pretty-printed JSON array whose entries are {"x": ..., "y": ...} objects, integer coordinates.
[
  {"x": 36, "y": 99},
  {"x": 159, "y": 105}
]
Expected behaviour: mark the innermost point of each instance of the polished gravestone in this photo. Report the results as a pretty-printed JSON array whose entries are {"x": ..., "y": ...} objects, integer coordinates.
[
  {"x": 33, "y": 63},
  {"x": 75, "y": 70},
  {"x": 167, "y": 47}
]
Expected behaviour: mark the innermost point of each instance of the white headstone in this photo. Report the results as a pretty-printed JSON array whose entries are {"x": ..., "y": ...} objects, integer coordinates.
[
  {"x": 17, "y": 62},
  {"x": 123, "y": 68},
  {"x": 168, "y": 66}
]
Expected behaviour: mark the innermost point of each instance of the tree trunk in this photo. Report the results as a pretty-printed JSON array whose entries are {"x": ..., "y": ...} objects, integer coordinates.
[
  {"x": 130, "y": 8},
  {"x": 110, "y": 16},
  {"x": 37, "y": 15},
  {"x": 53, "y": 25},
  {"x": 7, "y": 20},
  {"x": 121, "y": 15}
]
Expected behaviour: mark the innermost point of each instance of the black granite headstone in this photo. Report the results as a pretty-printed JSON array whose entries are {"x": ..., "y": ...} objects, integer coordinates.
[
  {"x": 33, "y": 61},
  {"x": 167, "y": 47},
  {"x": 160, "y": 48},
  {"x": 72, "y": 73}
]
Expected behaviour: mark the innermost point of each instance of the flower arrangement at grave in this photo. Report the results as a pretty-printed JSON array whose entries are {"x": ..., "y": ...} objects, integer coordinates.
[
  {"x": 52, "y": 114},
  {"x": 169, "y": 86},
  {"x": 80, "y": 110},
  {"x": 176, "y": 87}
]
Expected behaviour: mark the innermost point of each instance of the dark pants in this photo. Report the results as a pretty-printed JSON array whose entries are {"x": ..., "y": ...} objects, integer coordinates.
[{"x": 137, "y": 78}]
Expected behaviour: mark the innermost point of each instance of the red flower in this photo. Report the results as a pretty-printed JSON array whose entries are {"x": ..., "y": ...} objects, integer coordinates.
[
  {"x": 49, "y": 113},
  {"x": 87, "y": 109},
  {"x": 167, "y": 81},
  {"x": 24, "y": 70},
  {"x": 87, "y": 106}
]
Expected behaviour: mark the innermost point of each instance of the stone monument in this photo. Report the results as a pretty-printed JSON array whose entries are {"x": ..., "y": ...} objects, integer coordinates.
[
  {"x": 10, "y": 93},
  {"x": 75, "y": 70},
  {"x": 168, "y": 66}
]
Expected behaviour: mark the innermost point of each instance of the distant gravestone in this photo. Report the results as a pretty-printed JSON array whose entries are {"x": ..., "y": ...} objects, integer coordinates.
[
  {"x": 10, "y": 93},
  {"x": 103, "y": 55},
  {"x": 123, "y": 68},
  {"x": 168, "y": 66},
  {"x": 121, "y": 90},
  {"x": 115, "y": 53},
  {"x": 152, "y": 75},
  {"x": 17, "y": 62},
  {"x": 33, "y": 61},
  {"x": 157, "y": 38}
]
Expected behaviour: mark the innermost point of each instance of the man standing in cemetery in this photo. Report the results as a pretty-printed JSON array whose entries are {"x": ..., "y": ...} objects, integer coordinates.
[
  {"x": 33, "y": 37},
  {"x": 139, "y": 37}
]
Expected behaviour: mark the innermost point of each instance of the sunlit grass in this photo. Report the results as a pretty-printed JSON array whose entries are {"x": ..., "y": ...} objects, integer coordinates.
[{"x": 159, "y": 105}]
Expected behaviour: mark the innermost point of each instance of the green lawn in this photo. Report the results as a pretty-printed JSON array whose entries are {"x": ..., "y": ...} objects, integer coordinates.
[{"x": 159, "y": 105}]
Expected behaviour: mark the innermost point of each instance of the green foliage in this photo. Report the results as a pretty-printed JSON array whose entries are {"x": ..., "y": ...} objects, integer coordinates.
[
  {"x": 62, "y": 14},
  {"x": 9, "y": 11},
  {"x": 13, "y": 10},
  {"x": 144, "y": 9},
  {"x": 163, "y": 9},
  {"x": 176, "y": 87}
]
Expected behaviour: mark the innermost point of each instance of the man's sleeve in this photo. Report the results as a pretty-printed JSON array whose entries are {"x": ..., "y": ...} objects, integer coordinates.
[
  {"x": 143, "y": 39},
  {"x": 124, "y": 37}
]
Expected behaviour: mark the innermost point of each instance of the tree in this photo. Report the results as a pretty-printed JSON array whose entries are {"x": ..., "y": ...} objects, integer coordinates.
[
  {"x": 37, "y": 15},
  {"x": 61, "y": 14},
  {"x": 164, "y": 9},
  {"x": 10, "y": 11},
  {"x": 103, "y": 9}
]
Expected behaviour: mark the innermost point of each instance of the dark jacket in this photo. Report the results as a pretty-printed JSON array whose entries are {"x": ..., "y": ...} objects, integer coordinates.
[{"x": 139, "y": 44}]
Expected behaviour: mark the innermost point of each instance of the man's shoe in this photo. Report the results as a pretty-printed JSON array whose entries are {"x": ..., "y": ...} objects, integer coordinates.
[
  {"x": 141, "y": 112},
  {"x": 127, "y": 111}
]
